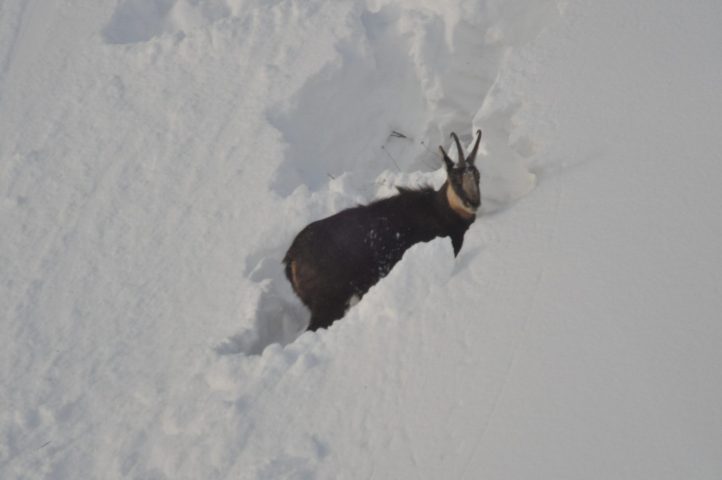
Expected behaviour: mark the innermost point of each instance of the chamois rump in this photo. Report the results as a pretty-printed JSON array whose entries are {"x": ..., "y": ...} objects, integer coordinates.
[{"x": 334, "y": 261}]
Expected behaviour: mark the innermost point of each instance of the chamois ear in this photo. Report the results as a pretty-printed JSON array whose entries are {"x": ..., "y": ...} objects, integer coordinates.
[
  {"x": 449, "y": 163},
  {"x": 472, "y": 156}
]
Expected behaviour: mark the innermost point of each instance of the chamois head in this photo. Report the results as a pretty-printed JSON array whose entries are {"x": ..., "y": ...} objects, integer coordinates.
[{"x": 463, "y": 179}]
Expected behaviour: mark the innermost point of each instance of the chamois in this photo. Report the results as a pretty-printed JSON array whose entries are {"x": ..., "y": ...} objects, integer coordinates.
[{"x": 333, "y": 262}]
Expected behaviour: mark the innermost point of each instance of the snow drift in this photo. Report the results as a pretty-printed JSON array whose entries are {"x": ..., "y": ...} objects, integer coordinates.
[{"x": 158, "y": 157}]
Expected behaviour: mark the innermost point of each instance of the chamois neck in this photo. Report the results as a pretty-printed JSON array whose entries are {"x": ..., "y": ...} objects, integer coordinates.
[{"x": 456, "y": 204}]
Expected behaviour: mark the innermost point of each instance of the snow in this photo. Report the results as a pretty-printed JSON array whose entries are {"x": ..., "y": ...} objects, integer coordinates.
[{"x": 159, "y": 156}]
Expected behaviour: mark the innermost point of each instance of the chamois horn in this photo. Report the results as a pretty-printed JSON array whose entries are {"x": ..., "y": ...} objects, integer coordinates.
[
  {"x": 459, "y": 149},
  {"x": 449, "y": 163},
  {"x": 472, "y": 156}
]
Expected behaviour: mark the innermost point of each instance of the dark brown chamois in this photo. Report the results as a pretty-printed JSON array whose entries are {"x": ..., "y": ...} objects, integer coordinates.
[{"x": 334, "y": 261}]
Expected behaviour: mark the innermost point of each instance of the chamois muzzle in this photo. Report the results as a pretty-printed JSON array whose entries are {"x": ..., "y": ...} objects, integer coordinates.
[{"x": 470, "y": 187}]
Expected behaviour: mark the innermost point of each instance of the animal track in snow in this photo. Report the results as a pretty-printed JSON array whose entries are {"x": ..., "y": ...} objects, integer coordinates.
[
  {"x": 319, "y": 124},
  {"x": 136, "y": 21}
]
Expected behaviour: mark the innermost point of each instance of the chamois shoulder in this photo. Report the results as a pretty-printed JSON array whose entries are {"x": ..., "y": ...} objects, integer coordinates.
[
  {"x": 425, "y": 190},
  {"x": 407, "y": 200},
  {"x": 407, "y": 193}
]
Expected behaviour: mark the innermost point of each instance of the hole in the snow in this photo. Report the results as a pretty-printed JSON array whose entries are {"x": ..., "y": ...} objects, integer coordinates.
[
  {"x": 280, "y": 316},
  {"x": 140, "y": 20},
  {"x": 278, "y": 321},
  {"x": 320, "y": 124},
  {"x": 137, "y": 21}
]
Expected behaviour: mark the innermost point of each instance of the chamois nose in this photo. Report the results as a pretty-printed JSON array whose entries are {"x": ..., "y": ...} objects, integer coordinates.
[{"x": 471, "y": 190}]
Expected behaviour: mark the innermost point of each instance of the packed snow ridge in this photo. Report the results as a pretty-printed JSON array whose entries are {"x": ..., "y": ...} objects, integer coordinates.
[{"x": 158, "y": 157}]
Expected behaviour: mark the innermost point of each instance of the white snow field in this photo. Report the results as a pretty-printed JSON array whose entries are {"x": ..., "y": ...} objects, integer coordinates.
[{"x": 157, "y": 157}]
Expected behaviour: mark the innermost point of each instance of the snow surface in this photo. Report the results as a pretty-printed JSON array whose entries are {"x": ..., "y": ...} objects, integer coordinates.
[{"x": 158, "y": 156}]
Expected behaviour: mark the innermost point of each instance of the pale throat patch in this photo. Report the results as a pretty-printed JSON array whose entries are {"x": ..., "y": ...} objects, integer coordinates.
[{"x": 457, "y": 204}]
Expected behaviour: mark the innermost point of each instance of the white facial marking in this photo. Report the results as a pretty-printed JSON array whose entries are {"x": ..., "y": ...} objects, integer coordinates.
[{"x": 458, "y": 204}]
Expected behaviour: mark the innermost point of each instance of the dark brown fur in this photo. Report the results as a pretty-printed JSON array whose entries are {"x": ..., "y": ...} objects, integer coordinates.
[{"x": 335, "y": 258}]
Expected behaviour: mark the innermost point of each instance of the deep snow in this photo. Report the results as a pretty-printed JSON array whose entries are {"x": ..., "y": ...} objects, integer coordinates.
[{"x": 158, "y": 157}]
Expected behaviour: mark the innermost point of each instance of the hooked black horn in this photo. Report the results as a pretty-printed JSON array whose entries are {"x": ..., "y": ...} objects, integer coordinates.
[
  {"x": 447, "y": 160},
  {"x": 472, "y": 156},
  {"x": 459, "y": 149}
]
